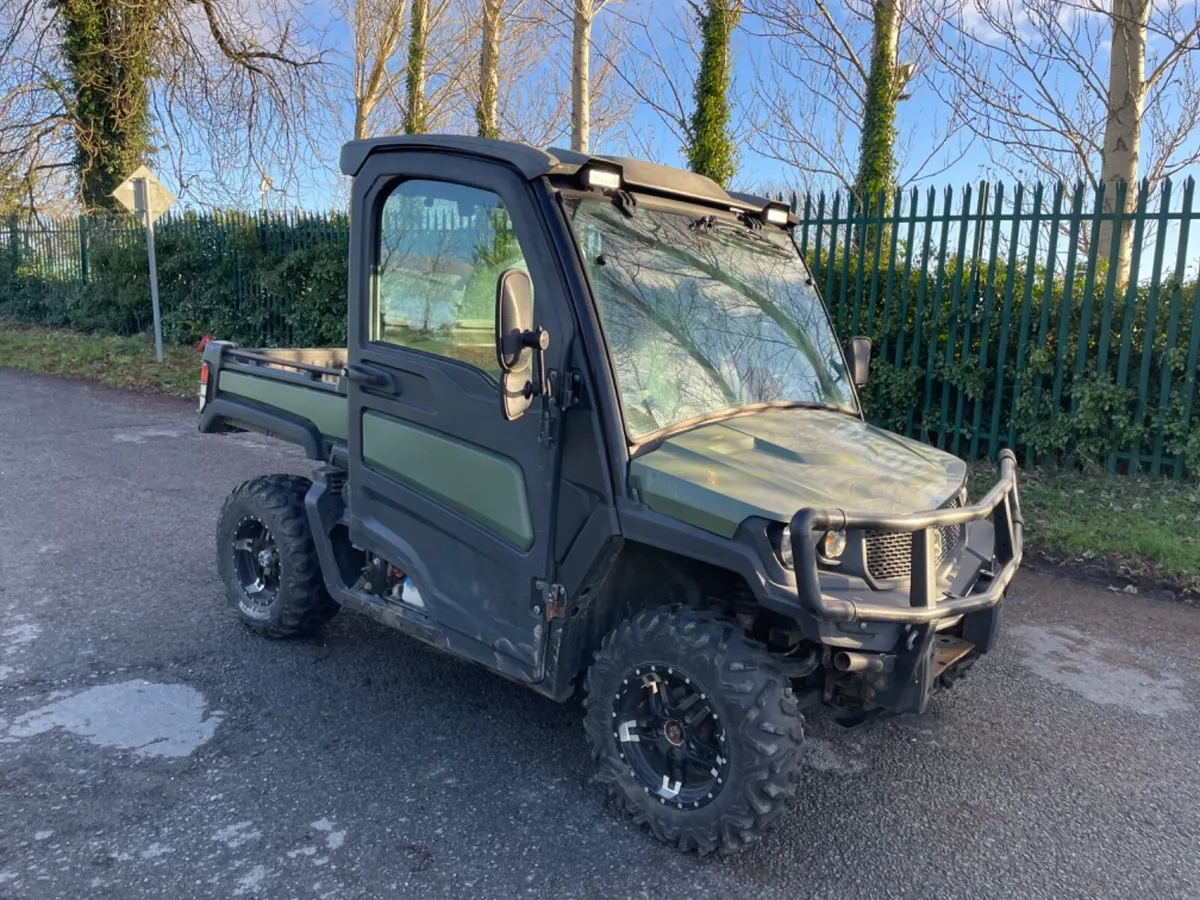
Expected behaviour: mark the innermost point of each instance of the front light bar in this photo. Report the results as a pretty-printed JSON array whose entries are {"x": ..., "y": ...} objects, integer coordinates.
[{"x": 1001, "y": 503}]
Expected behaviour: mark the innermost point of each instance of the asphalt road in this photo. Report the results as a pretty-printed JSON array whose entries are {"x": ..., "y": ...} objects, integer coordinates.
[{"x": 152, "y": 748}]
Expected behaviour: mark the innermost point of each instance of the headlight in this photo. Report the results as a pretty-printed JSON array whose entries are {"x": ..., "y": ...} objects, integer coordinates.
[{"x": 833, "y": 544}]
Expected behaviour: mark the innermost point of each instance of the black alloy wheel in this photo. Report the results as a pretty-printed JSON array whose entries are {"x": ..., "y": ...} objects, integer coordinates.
[
  {"x": 694, "y": 728},
  {"x": 256, "y": 560},
  {"x": 671, "y": 735}
]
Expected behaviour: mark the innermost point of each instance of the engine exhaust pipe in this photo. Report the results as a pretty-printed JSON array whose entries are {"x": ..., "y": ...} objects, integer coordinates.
[{"x": 846, "y": 661}]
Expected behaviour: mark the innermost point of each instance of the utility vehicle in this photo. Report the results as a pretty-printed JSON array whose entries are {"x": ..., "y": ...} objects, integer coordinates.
[{"x": 593, "y": 429}]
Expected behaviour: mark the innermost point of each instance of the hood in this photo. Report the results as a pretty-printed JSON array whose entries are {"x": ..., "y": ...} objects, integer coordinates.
[{"x": 774, "y": 462}]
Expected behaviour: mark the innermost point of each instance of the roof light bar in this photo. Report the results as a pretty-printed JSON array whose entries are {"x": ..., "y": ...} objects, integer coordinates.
[
  {"x": 776, "y": 215},
  {"x": 605, "y": 179}
]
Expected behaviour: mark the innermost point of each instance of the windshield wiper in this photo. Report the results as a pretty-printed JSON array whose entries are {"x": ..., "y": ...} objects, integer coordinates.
[
  {"x": 625, "y": 202},
  {"x": 752, "y": 228},
  {"x": 752, "y": 222}
]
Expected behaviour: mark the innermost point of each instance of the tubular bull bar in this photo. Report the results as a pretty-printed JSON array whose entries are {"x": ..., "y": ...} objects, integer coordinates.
[{"x": 1001, "y": 503}]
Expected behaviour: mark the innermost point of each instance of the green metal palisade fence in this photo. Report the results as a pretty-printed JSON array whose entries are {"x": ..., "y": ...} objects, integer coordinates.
[
  {"x": 997, "y": 318},
  {"x": 261, "y": 279}
]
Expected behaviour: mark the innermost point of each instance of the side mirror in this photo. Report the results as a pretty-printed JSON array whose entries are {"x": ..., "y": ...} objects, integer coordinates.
[
  {"x": 514, "y": 353},
  {"x": 514, "y": 317},
  {"x": 858, "y": 358}
]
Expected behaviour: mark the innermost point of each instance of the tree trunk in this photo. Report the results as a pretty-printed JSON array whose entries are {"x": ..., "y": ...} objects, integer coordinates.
[
  {"x": 581, "y": 48},
  {"x": 1123, "y": 129},
  {"x": 360, "y": 118},
  {"x": 416, "y": 119},
  {"x": 710, "y": 148},
  {"x": 486, "y": 116},
  {"x": 876, "y": 149},
  {"x": 107, "y": 51}
]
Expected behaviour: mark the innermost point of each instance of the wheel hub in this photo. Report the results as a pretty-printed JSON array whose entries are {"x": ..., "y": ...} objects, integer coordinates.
[
  {"x": 256, "y": 561},
  {"x": 671, "y": 736},
  {"x": 673, "y": 732}
]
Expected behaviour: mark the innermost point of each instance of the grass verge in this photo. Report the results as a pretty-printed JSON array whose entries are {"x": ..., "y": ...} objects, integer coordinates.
[
  {"x": 125, "y": 362},
  {"x": 1115, "y": 526}
]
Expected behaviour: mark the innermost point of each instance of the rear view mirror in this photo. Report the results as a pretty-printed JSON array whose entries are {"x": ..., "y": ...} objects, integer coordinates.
[
  {"x": 514, "y": 320},
  {"x": 858, "y": 358},
  {"x": 514, "y": 317}
]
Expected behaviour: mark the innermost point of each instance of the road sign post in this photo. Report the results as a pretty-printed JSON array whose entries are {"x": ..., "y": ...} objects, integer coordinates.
[
  {"x": 144, "y": 195},
  {"x": 147, "y": 205}
]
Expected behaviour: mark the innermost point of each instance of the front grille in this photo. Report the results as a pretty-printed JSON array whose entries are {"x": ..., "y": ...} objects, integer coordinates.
[{"x": 889, "y": 553}]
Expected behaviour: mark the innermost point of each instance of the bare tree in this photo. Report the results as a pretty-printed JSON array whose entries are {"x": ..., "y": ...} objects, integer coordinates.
[
  {"x": 1032, "y": 77},
  {"x": 491, "y": 28},
  {"x": 581, "y": 60},
  {"x": 438, "y": 87},
  {"x": 376, "y": 27},
  {"x": 36, "y": 133},
  {"x": 1125, "y": 106},
  {"x": 661, "y": 54},
  {"x": 528, "y": 98},
  {"x": 829, "y": 76},
  {"x": 581, "y": 66},
  {"x": 232, "y": 96},
  {"x": 254, "y": 89},
  {"x": 415, "y": 117}
]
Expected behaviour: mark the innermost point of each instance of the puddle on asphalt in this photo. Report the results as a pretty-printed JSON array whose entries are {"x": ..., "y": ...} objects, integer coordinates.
[
  {"x": 166, "y": 720},
  {"x": 141, "y": 435},
  {"x": 14, "y": 641},
  {"x": 1099, "y": 671}
]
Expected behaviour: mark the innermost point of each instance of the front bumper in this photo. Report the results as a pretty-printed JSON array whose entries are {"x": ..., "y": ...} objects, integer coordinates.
[
  {"x": 926, "y": 603},
  {"x": 902, "y": 680}
]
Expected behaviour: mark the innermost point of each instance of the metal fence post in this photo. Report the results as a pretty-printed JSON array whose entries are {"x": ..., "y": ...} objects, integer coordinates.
[{"x": 83, "y": 249}]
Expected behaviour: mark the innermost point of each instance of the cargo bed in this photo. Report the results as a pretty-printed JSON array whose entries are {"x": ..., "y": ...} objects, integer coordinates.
[{"x": 297, "y": 395}]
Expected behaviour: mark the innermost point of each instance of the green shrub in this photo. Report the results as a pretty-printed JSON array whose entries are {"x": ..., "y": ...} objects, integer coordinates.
[{"x": 281, "y": 281}]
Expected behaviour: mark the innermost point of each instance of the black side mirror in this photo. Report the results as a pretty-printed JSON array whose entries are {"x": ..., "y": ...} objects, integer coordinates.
[
  {"x": 858, "y": 358},
  {"x": 514, "y": 317},
  {"x": 516, "y": 342}
]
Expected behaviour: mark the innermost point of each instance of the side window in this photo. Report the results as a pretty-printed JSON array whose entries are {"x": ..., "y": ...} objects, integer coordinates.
[{"x": 442, "y": 247}]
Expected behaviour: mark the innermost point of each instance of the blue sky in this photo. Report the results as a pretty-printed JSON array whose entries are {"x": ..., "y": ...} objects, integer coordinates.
[{"x": 920, "y": 119}]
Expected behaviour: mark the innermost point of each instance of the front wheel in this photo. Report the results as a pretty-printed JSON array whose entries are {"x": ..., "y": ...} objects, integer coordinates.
[
  {"x": 268, "y": 560},
  {"x": 694, "y": 728}
]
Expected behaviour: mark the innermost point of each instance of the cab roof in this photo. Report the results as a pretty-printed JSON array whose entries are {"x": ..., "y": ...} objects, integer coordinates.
[{"x": 533, "y": 163}]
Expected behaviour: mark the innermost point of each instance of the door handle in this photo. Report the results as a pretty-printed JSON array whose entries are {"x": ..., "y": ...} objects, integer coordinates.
[{"x": 370, "y": 377}]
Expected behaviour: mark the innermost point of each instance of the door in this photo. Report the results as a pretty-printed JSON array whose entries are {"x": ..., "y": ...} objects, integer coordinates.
[{"x": 442, "y": 486}]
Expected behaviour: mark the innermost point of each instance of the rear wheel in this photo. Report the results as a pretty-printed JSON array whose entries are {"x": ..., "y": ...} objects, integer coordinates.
[
  {"x": 694, "y": 728},
  {"x": 268, "y": 560}
]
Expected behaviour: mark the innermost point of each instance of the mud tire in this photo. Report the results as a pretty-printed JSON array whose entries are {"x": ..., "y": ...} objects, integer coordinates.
[
  {"x": 763, "y": 726},
  {"x": 301, "y": 603}
]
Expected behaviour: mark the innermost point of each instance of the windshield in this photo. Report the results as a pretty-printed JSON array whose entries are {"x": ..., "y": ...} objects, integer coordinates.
[{"x": 704, "y": 315}]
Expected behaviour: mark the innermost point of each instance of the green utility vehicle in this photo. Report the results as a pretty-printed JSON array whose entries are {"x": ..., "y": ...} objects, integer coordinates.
[{"x": 593, "y": 430}]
